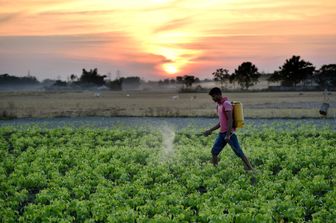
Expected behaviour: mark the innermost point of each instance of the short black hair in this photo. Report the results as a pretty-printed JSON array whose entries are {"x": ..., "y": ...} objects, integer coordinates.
[{"x": 215, "y": 91}]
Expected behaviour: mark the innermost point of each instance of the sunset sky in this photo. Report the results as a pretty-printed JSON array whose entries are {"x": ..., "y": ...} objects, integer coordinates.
[{"x": 158, "y": 39}]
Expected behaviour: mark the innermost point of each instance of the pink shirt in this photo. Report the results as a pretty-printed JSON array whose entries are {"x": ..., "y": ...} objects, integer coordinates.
[{"x": 224, "y": 105}]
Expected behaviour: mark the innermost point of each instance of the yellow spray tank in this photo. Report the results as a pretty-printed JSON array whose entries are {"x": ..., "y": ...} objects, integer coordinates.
[{"x": 238, "y": 114}]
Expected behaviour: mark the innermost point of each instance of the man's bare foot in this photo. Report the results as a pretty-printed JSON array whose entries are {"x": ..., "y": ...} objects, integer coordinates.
[
  {"x": 214, "y": 160},
  {"x": 247, "y": 164}
]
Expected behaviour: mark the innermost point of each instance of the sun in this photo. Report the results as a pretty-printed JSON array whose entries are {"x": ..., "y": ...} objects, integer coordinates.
[{"x": 170, "y": 68}]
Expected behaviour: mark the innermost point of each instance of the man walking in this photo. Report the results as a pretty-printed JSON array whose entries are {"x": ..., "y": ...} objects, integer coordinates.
[{"x": 226, "y": 132}]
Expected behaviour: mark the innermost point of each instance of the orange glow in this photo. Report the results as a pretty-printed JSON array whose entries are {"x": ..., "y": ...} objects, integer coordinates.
[{"x": 168, "y": 36}]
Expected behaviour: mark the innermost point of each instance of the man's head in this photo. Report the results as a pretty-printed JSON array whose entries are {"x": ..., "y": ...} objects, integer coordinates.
[{"x": 216, "y": 94}]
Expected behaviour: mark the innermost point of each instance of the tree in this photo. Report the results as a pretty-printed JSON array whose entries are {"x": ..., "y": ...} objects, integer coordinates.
[
  {"x": 293, "y": 71},
  {"x": 179, "y": 79},
  {"x": 92, "y": 77},
  {"x": 221, "y": 75},
  {"x": 326, "y": 76},
  {"x": 246, "y": 75},
  {"x": 188, "y": 80}
]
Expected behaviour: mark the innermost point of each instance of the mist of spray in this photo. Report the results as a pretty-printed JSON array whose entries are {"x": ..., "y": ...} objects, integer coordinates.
[{"x": 168, "y": 136}]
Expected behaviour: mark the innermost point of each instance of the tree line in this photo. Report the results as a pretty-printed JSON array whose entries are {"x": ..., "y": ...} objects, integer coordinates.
[
  {"x": 6, "y": 79},
  {"x": 294, "y": 71}
]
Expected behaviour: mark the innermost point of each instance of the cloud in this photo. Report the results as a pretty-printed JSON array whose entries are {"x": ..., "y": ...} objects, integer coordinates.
[
  {"x": 32, "y": 42},
  {"x": 6, "y": 17},
  {"x": 173, "y": 24},
  {"x": 194, "y": 35},
  {"x": 74, "y": 13},
  {"x": 45, "y": 54},
  {"x": 268, "y": 52}
]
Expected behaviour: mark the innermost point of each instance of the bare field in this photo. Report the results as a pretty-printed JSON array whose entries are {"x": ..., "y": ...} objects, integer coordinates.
[{"x": 256, "y": 104}]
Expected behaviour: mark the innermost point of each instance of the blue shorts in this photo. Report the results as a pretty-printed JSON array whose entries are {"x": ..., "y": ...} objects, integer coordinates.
[{"x": 220, "y": 144}]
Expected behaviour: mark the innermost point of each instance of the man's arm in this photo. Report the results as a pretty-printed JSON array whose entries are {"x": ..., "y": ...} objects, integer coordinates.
[
  {"x": 208, "y": 132},
  {"x": 229, "y": 123}
]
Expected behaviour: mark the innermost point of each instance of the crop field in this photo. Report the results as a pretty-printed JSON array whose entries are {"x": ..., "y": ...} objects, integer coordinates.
[{"x": 164, "y": 175}]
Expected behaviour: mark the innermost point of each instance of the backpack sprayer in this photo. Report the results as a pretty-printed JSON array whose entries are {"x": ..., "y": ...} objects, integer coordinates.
[{"x": 238, "y": 114}]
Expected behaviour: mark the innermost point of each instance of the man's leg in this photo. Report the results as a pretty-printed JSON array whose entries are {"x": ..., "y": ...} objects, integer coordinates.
[
  {"x": 217, "y": 148},
  {"x": 239, "y": 152}
]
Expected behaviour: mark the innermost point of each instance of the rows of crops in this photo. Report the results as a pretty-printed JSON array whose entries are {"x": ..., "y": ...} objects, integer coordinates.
[{"x": 127, "y": 175}]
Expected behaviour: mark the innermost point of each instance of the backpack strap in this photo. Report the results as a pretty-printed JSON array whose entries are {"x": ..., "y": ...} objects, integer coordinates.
[{"x": 224, "y": 110}]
